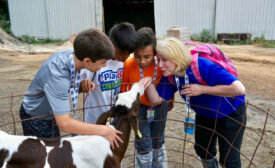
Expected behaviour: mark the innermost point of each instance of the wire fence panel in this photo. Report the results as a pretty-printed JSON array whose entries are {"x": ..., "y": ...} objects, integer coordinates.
[{"x": 257, "y": 147}]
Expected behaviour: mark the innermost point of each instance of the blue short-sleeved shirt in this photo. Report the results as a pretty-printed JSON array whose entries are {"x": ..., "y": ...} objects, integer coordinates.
[
  {"x": 205, "y": 105},
  {"x": 48, "y": 91}
]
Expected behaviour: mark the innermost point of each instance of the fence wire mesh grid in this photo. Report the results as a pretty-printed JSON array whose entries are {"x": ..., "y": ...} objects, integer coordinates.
[{"x": 257, "y": 147}]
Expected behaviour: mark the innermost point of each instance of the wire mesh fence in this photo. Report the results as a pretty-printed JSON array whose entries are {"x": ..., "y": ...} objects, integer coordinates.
[{"x": 257, "y": 147}]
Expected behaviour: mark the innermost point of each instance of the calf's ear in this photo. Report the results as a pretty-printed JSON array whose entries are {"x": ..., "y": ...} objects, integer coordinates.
[
  {"x": 135, "y": 106},
  {"x": 102, "y": 119},
  {"x": 138, "y": 98},
  {"x": 111, "y": 112}
]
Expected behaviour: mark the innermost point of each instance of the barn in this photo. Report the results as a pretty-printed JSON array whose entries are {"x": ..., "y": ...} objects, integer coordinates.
[{"x": 59, "y": 19}]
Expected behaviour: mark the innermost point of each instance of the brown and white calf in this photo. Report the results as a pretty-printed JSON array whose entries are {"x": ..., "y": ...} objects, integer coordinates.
[{"x": 80, "y": 151}]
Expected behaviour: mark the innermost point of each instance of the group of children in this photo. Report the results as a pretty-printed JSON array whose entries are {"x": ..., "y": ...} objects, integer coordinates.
[
  {"x": 114, "y": 63},
  {"x": 103, "y": 75},
  {"x": 135, "y": 58}
]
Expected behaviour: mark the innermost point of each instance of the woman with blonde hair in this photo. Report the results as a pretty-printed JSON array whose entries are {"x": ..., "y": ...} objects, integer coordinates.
[{"x": 219, "y": 105}]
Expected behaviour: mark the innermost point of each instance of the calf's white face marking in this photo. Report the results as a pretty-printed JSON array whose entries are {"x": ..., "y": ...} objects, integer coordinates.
[{"x": 127, "y": 98}]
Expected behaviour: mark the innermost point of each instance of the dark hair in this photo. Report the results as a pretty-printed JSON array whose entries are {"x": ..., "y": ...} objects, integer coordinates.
[
  {"x": 145, "y": 37},
  {"x": 123, "y": 36},
  {"x": 93, "y": 44}
]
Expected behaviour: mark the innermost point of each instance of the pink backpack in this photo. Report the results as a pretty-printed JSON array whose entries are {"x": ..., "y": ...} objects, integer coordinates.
[{"x": 212, "y": 53}]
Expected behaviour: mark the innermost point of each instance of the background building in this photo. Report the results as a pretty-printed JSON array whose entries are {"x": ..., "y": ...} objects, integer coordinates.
[{"x": 59, "y": 19}]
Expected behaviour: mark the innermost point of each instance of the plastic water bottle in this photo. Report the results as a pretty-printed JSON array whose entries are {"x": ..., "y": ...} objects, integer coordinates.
[{"x": 189, "y": 125}]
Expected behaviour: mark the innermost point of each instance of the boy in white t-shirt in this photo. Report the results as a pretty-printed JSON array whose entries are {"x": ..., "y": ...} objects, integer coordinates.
[{"x": 108, "y": 79}]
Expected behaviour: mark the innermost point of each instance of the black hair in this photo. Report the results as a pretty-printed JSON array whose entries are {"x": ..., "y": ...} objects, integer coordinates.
[
  {"x": 145, "y": 37},
  {"x": 93, "y": 44},
  {"x": 123, "y": 36}
]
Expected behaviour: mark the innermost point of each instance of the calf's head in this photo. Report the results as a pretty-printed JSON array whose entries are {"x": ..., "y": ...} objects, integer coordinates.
[{"x": 125, "y": 108}]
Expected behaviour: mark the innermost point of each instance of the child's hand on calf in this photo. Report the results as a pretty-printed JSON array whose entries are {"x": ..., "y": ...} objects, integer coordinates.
[{"x": 145, "y": 82}]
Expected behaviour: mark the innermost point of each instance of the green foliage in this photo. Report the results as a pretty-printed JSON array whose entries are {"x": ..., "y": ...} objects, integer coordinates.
[
  {"x": 34, "y": 40},
  {"x": 263, "y": 42},
  {"x": 206, "y": 36},
  {"x": 269, "y": 44},
  {"x": 50, "y": 41},
  {"x": 5, "y": 26},
  {"x": 195, "y": 37},
  {"x": 260, "y": 40},
  {"x": 248, "y": 42},
  {"x": 27, "y": 39},
  {"x": 4, "y": 20}
]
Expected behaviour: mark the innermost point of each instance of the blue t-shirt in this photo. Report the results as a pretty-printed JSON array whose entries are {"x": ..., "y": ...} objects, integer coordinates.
[
  {"x": 49, "y": 90},
  {"x": 205, "y": 105}
]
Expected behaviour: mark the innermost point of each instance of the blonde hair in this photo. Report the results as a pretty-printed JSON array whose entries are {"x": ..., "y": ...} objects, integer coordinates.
[{"x": 175, "y": 51}]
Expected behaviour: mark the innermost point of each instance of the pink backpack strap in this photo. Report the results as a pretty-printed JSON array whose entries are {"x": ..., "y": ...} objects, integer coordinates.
[
  {"x": 195, "y": 69},
  {"x": 199, "y": 48}
]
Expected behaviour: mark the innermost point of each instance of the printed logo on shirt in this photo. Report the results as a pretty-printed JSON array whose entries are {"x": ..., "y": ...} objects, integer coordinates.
[{"x": 110, "y": 80}]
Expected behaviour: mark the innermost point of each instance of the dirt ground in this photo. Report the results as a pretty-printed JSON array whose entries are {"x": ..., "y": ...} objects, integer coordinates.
[{"x": 256, "y": 67}]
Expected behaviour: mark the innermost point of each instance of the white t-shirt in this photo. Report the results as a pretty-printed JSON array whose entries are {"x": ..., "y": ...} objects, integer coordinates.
[{"x": 108, "y": 81}]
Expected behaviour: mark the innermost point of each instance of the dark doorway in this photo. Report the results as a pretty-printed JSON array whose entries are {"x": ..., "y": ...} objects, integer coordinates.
[{"x": 138, "y": 12}]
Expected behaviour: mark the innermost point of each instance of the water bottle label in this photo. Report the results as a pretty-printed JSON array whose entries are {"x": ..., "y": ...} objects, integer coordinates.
[{"x": 189, "y": 125}]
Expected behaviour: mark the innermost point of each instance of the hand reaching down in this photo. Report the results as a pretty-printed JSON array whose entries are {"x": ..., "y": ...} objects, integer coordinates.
[
  {"x": 112, "y": 135},
  {"x": 87, "y": 85}
]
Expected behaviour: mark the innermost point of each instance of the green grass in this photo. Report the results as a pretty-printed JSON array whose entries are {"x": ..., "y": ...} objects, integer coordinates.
[
  {"x": 263, "y": 42},
  {"x": 5, "y": 26},
  {"x": 249, "y": 42},
  {"x": 33, "y": 40},
  {"x": 269, "y": 44}
]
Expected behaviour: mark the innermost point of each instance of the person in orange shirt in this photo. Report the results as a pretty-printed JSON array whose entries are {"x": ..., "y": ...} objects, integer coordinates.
[{"x": 150, "y": 148}]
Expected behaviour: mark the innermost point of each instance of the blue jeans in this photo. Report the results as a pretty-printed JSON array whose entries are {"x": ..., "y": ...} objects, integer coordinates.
[
  {"x": 152, "y": 133},
  {"x": 38, "y": 127},
  {"x": 229, "y": 129}
]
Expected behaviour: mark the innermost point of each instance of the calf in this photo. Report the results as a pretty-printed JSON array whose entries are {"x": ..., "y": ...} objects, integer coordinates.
[
  {"x": 81, "y": 151},
  {"x": 27, "y": 151}
]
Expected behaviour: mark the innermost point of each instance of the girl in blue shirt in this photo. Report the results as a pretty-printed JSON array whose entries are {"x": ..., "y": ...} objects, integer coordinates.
[{"x": 219, "y": 105}]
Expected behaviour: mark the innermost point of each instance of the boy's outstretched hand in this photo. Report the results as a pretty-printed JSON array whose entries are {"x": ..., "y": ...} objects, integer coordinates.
[
  {"x": 145, "y": 82},
  {"x": 87, "y": 85}
]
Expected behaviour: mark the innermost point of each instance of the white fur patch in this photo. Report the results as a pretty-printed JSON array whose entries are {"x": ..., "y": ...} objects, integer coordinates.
[
  {"x": 43, "y": 143},
  {"x": 61, "y": 143},
  {"x": 89, "y": 150},
  {"x": 128, "y": 98},
  {"x": 48, "y": 150},
  {"x": 11, "y": 143}
]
